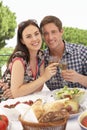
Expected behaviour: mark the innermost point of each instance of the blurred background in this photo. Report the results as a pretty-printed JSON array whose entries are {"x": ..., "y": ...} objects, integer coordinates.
[{"x": 71, "y": 12}]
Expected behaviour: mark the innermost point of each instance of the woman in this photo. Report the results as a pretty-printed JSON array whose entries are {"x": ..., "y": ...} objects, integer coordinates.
[{"x": 25, "y": 72}]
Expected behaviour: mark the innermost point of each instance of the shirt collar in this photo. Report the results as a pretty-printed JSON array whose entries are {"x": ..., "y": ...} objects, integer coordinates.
[{"x": 68, "y": 48}]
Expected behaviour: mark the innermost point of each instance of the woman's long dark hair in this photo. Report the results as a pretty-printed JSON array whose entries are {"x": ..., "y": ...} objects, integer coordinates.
[{"x": 20, "y": 46}]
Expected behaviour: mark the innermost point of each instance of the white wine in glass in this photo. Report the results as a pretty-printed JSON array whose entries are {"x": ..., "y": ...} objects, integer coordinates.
[
  {"x": 53, "y": 59},
  {"x": 63, "y": 66}
]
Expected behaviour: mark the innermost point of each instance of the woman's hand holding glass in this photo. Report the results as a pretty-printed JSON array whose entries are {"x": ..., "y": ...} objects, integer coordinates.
[
  {"x": 50, "y": 71},
  {"x": 53, "y": 59}
]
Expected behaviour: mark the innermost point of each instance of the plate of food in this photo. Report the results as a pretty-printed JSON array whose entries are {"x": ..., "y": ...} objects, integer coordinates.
[
  {"x": 75, "y": 93},
  {"x": 76, "y": 96}
]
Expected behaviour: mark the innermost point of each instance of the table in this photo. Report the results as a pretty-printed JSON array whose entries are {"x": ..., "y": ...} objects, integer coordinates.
[
  {"x": 73, "y": 124},
  {"x": 45, "y": 94}
]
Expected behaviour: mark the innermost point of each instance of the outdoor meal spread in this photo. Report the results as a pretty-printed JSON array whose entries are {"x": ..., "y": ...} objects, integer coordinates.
[
  {"x": 41, "y": 111},
  {"x": 65, "y": 101}
]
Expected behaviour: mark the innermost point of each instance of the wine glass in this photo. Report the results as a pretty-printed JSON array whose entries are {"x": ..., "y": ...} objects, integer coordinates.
[
  {"x": 63, "y": 66},
  {"x": 53, "y": 59}
]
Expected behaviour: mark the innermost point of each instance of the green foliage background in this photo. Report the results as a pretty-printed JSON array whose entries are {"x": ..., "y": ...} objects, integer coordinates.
[
  {"x": 75, "y": 35},
  {"x": 4, "y": 55},
  {"x": 7, "y": 24}
]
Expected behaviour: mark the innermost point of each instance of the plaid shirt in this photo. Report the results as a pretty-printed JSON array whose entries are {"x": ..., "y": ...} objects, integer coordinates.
[{"x": 76, "y": 57}]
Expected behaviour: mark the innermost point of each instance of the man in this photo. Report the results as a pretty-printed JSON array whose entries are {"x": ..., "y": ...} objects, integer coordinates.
[{"x": 75, "y": 55}]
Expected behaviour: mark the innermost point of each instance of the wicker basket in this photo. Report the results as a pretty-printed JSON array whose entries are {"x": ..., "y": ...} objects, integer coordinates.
[{"x": 59, "y": 125}]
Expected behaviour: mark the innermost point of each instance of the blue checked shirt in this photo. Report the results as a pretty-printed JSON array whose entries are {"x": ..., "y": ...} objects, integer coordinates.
[{"x": 76, "y": 57}]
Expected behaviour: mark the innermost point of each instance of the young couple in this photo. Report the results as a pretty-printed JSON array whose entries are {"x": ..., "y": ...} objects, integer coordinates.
[{"x": 28, "y": 67}]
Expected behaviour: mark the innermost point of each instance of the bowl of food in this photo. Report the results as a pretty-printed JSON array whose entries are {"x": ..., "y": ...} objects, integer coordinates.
[
  {"x": 46, "y": 116},
  {"x": 82, "y": 120}
]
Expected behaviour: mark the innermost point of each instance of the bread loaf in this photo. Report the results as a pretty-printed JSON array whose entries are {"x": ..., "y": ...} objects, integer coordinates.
[
  {"x": 54, "y": 116},
  {"x": 41, "y": 108},
  {"x": 53, "y": 106},
  {"x": 47, "y": 112},
  {"x": 37, "y": 107}
]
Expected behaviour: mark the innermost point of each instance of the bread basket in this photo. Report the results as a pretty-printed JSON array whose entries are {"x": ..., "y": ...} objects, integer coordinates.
[{"x": 59, "y": 125}]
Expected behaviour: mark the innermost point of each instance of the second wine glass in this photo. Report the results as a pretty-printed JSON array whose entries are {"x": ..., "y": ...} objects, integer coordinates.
[{"x": 63, "y": 66}]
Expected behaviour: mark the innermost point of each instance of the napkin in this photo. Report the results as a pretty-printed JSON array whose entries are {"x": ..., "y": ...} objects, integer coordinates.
[
  {"x": 29, "y": 116},
  {"x": 22, "y": 108},
  {"x": 15, "y": 125}
]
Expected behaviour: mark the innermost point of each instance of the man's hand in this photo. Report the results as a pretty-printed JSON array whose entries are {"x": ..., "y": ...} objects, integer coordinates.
[{"x": 70, "y": 75}]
